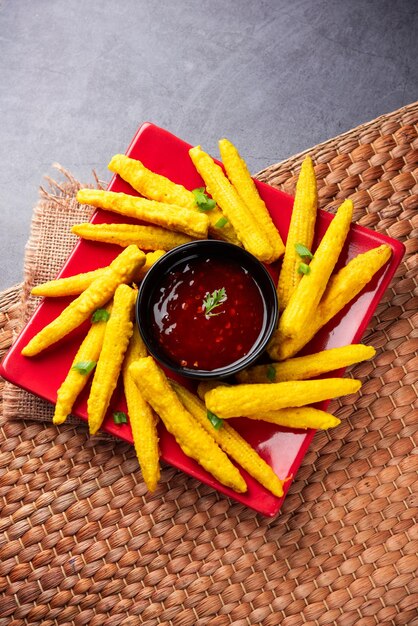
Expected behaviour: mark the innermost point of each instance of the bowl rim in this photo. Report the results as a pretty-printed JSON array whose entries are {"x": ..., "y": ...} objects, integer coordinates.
[{"x": 195, "y": 248}]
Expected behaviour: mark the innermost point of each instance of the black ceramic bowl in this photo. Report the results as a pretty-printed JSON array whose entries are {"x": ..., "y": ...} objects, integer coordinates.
[{"x": 223, "y": 253}]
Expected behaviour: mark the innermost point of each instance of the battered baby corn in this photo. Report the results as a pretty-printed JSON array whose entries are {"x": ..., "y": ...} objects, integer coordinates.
[
  {"x": 192, "y": 438},
  {"x": 341, "y": 289},
  {"x": 231, "y": 442},
  {"x": 299, "y": 417},
  {"x": 224, "y": 194},
  {"x": 308, "y": 293},
  {"x": 301, "y": 231},
  {"x": 157, "y": 187},
  {"x": 309, "y": 366},
  {"x": 240, "y": 177},
  {"x": 246, "y": 400},
  {"x": 145, "y": 237},
  {"x": 121, "y": 270},
  {"x": 83, "y": 364},
  {"x": 115, "y": 342},
  {"x": 168, "y": 216},
  {"x": 74, "y": 285},
  {"x": 293, "y": 417},
  {"x": 149, "y": 184},
  {"x": 142, "y": 418}
]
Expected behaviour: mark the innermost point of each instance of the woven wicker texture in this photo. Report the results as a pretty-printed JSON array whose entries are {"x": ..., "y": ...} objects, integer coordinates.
[{"x": 81, "y": 542}]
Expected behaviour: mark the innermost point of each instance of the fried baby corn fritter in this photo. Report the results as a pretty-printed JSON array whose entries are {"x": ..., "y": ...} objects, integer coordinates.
[
  {"x": 301, "y": 231},
  {"x": 224, "y": 194},
  {"x": 303, "y": 417},
  {"x": 77, "y": 379},
  {"x": 309, "y": 366},
  {"x": 121, "y": 270},
  {"x": 293, "y": 417},
  {"x": 191, "y": 437},
  {"x": 246, "y": 400},
  {"x": 168, "y": 216},
  {"x": 115, "y": 342},
  {"x": 342, "y": 288},
  {"x": 308, "y": 293},
  {"x": 142, "y": 418},
  {"x": 157, "y": 187},
  {"x": 145, "y": 237},
  {"x": 231, "y": 442},
  {"x": 74, "y": 285},
  {"x": 240, "y": 177},
  {"x": 149, "y": 184}
]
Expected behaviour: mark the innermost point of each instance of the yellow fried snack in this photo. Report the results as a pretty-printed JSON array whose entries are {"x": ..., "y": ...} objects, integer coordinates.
[
  {"x": 293, "y": 417},
  {"x": 149, "y": 184},
  {"x": 74, "y": 285},
  {"x": 70, "y": 286},
  {"x": 83, "y": 364},
  {"x": 115, "y": 342},
  {"x": 191, "y": 437},
  {"x": 145, "y": 237},
  {"x": 162, "y": 189},
  {"x": 301, "y": 231},
  {"x": 341, "y": 289},
  {"x": 240, "y": 177},
  {"x": 246, "y": 400},
  {"x": 224, "y": 194},
  {"x": 168, "y": 216},
  {"x": 141, "y": 417},
  {"x": 308, "y": 293},
  {"x": 309, "y": 366},
  {"x": 299, "y": 417},
  {"x": 231, "y": 442},
  {"x": 351, "y": 279},
  {"x": 121, "y": 270}
]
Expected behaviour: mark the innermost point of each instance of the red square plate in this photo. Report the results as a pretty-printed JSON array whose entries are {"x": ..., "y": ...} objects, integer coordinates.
[{"x": 282, "y": 448}]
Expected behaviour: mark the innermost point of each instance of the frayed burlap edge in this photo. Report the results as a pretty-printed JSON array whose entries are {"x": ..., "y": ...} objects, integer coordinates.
[{"x": 55, "y": 213}]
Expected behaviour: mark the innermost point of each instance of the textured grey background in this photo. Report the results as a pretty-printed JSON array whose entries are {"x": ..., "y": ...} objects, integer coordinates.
[{"x": 77, "y": 77}]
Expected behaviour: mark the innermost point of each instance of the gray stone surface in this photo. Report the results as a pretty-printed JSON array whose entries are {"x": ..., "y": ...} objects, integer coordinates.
[{"x": 78, "y": 76}]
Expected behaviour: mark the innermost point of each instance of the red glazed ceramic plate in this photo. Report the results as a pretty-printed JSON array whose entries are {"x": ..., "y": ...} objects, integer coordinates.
[{"x": 282, "y": 448}]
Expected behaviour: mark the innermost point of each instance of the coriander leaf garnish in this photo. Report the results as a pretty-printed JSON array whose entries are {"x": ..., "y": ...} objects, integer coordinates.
[
  {"x": 212, "y": 300},
  {"x": 222, "y": 221},
  {"x": 306, "y": 255},
  {"x": 216, "y": 421},
  {"x": 203, "y": 202},
  {"x": 303, "y": 251},
  {"x": 303, "y": 268},
  {"x": 100, "y": 315},
  {"x": 84, "y": 367},
  {"x": 271, "y": 373},
  {"x": 119, "y": 417}
]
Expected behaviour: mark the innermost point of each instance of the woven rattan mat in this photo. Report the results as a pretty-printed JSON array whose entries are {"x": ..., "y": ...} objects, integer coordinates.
[{"x": 81, "y": 542}]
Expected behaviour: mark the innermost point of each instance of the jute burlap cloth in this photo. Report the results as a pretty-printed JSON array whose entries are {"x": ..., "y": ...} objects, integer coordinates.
[{"x": 83, "y": 543}]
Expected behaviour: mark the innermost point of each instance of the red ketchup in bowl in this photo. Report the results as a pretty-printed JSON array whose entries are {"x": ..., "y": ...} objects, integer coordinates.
[{"x": 207, "y": 314}]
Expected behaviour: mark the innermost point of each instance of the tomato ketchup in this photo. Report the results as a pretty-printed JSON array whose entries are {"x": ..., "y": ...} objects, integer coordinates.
[{"x": 207, "y": 314}]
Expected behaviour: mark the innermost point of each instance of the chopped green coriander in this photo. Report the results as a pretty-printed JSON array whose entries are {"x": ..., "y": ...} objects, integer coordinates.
[
  {"x": 100, "y": 315},
  {"x": 203, "y": 202},
  {"x": 303, "y": 251},
  {"x": 119, "y": 417},
  {"x": 212, "y": 300},
  {"x": 303, "y": 268},
  {"x": 271, "y": 373},
  {"x": 214, "y": 420},
  {"x": 221, "y": 222},
  {"x": 84, "y": 367}
]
